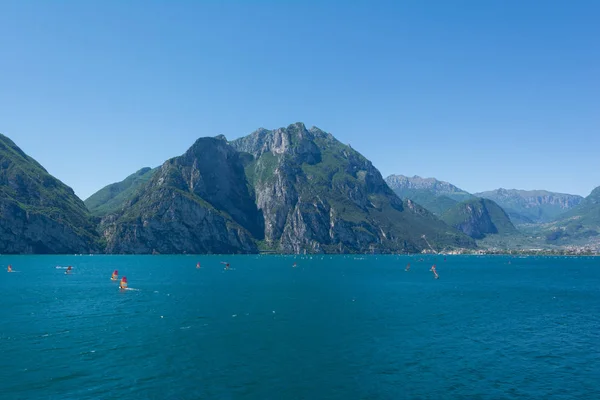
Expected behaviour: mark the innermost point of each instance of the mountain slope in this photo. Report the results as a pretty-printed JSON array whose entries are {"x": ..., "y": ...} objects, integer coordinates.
[
  {"x": 112, "y": 197},
  {"x": 580, "y": 225},
  {"x": 38, "y": 213},
  {"x": 436, "y": 196},
  {"x": 199, "y": 202},
  {"x": 479, "y": 218},
  {"x": 318, "y": 195},
  {"x": 532, "y": 206}
]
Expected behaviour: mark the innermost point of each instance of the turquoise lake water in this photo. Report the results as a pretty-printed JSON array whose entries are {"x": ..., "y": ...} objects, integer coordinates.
[{"x": 339, "y": 327}]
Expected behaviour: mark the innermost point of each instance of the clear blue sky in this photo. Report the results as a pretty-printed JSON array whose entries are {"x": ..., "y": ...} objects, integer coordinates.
[{"x": 483, "y": 94}]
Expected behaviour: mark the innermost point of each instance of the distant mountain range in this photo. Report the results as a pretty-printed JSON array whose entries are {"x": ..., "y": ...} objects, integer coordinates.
[
  {"x": 288, "y": 190},
  {"x": 436, "y": 196},
  {"x": 580, "y": 225},
  {"x": 532, "y": 206},
  {"x": 536, "y": 217},
  {"x": 476, "y": 217}
]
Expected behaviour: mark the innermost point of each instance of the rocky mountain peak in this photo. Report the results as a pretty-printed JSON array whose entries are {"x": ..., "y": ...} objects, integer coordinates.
[{"x": 294, "y": 141}]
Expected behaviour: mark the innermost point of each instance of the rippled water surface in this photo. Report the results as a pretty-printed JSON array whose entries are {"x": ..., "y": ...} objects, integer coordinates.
[{"x": 341, "y": 327}]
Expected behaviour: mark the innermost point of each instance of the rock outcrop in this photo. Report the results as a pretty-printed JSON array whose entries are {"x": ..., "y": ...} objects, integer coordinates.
[
  {"x": 318, "y": 195},
  {"x": 479, "y": 218},
  {"x": 199, "y": 202},
  {"x": 289, "y": 190}
]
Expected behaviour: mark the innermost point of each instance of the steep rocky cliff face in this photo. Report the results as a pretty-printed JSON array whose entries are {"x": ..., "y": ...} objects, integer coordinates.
[
  {"x": 479, "y": 218},
  {"x": 532, "y": 206},
  {"x": 38, "y": 213},
  {"x": 199, "y": 202},
  {"x": 288, "y": 190},
  {"x": 436, "y": 196},
  {"x": 318, "y": 195}
]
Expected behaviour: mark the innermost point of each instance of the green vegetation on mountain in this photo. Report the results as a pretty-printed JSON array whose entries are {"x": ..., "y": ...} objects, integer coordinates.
[
  {"x": 289, "y": 190},
  {"x": 111, "y": 198},
  {"x": 532, "y": 206},
  {"x": 479, "y": 218},
  {"x": 38, "y": 213},
  {"x": 437, "y": 204},
  {"x": 436, "y": 196}
]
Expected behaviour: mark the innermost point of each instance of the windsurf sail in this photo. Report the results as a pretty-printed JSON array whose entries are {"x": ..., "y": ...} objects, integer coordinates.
[{"x": 435, "y": 274}]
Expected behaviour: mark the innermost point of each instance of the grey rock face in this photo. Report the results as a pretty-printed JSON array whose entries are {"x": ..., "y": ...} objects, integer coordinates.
[
  {"x": 289, "y": 190},
  {"x": 199, "y": 202},
  {"x": 34, "y": 232},
  {"x": 478, "y": 218},
  {"x": 318, "y": 195},
  {"x": 176, "y": 224},
  {"x": 477, "y": 222}
]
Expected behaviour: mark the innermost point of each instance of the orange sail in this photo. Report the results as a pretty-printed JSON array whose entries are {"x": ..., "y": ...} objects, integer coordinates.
[
  {"x": 123, "y": 284},
  {"x": 115, "y": 275},
  {"x": 9, "y": 269}
]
